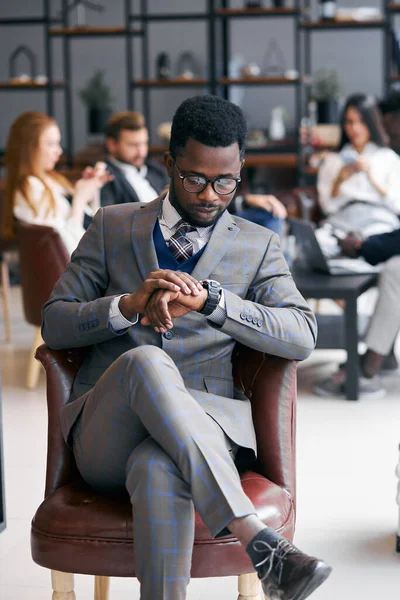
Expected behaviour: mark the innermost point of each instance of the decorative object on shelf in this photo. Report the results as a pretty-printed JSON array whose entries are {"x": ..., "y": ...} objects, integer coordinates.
[
  {"x": 163, "y": 66},
  {"x": 81, "y": 6},
  {"x": 278, "y": 3},
  {"x": 235, "y": 66},
  {"x": 291, "y": 74},
  {"x": 256, "y": 138},
  {"x": 251, "y": 70},
  {"x": 327, "y": 9},
  {"x": 359, "y": 14},
  {"x": 41, "y": 79},
  {"x": 274, "y": 60},
  {"x": 326, "y": 88},
  {"x": 277, "y": 127},
  {"x": 96, "y": 95},
  {"x": 164, "y": 131},
  {"x": 15, "y": 78},
  {"x": 187, "y": 67},
  {"x": 253, "y": 4}
]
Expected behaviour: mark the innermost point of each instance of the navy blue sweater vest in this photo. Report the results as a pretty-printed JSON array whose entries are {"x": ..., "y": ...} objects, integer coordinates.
[{"x": 165, "y": 258}]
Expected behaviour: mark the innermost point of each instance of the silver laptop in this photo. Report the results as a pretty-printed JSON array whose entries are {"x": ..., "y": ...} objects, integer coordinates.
[{"x": 315, "y": 258}]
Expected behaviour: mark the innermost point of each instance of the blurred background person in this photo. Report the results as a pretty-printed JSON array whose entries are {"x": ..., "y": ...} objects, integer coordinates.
[
  {"x": 359, "y": 186},
  {"x": 35, "y": 192},
  {"x": 136, "y": 178}
]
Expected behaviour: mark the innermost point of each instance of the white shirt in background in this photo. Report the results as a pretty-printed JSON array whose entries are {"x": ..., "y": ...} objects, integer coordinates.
[
  {"x": 70, "y": 231},
  {"x": 385, "y": 170},
  {"x": 137, "y": 179}
]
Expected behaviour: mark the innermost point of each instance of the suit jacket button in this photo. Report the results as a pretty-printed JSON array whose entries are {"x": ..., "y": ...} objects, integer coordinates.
[
  {"x": 243, "y": 316},
  {"x": 259, "y": 323},
  {"x": 255, "y": 321},
  {"x": 96, "y": 322},
  {"x": 81, "y": 327},
  {"x": 168, "y": 335},
  {"x": 249, "y": 318}
]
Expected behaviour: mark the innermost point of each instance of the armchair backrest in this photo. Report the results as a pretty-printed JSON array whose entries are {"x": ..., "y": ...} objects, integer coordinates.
[
  {"x": 269, "y": 382},
  {"x": 43, "y": 258}
]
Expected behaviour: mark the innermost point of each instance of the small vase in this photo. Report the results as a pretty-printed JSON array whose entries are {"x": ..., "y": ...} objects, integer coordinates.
[
  {"x": 97, "y": 119},
  {"x": 327, "y": 111}
]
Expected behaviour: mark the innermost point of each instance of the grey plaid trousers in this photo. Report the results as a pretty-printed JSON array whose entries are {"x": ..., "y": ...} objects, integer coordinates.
[{"x": 140, "y": 428}]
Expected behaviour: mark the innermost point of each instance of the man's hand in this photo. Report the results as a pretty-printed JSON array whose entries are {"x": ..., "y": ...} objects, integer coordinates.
[
  {"x": 350, "y": 245},
  {"x": 164, "y": 280},
  {"x": 164, "y": 305},
  {"x": 267, "y": 202}
]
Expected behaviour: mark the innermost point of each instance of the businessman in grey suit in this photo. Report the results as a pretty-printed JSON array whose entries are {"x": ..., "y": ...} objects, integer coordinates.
[{"x": 161, "y": 292}]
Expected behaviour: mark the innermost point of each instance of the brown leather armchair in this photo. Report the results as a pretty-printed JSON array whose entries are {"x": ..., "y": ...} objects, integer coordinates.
[
  {"x": 76, "y": 530},
  {"x": 43, "y": 258},
  {"x": 6, "y": 245},
  {"x": 296, "y": 205}
]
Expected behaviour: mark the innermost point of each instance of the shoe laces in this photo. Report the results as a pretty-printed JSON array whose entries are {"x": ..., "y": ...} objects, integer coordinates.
[{"x": 275, "y": 556}]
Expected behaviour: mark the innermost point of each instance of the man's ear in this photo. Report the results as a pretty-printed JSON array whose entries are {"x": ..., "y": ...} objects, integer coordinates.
[
  {"x": 169, "y": 163},
  {"x": 110, "y": 145}
]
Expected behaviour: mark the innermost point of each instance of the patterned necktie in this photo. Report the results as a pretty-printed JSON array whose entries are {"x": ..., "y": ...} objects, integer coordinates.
[{"x": 180, "y": 246}]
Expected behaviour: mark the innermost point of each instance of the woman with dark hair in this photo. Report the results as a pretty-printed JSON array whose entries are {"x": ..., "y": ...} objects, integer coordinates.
[{"x": 359, "y": 186}]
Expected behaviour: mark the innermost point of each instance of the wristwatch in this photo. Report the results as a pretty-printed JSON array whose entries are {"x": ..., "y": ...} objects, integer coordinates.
[{"x": 214, "y": 294}]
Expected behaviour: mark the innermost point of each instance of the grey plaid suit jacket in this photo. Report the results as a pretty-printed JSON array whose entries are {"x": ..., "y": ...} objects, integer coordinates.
[{"x": 264, "y": 309}]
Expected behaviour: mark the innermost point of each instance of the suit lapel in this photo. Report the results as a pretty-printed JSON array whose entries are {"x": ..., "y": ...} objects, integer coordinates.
[
  {"x": 143, "y": 223},
  {"x": 223, "y": 235}
]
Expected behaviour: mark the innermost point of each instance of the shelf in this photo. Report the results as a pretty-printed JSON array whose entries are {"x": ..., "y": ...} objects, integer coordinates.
[
  {"x": 171, "y": 17},
  {"x": 392, "y": 7},
  {"x": 258, "y": 81},
  {"x": 254, "y": 12},
  {"x": 88, "y": 31},
  {"x": 272, "y": 161},
  {"x": 394, "y": 78},
  {"x": 373, "y": 24},
  {"x": 28, "y": 21},
  {"x": 169, "y": 82},
  {"x": 6, "y": 85}
]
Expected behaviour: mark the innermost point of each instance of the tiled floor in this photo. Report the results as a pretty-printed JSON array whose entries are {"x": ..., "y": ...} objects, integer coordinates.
[{"x": 347, "y": 453}]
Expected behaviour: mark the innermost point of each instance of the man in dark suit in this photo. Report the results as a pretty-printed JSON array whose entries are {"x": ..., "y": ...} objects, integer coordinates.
[
  {"x": 136, "y": 178},
  {"x": 162, "y": 292}
]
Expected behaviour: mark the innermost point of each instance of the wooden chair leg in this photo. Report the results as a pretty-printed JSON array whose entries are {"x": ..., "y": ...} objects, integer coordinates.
[
  {"x": 63, "y": 586},
  {"x": 101, "y": 587},
  {"x": 6, "y": 296},
  {"x": 34, "y": 366},
  {"x": 249, "y": 587}
]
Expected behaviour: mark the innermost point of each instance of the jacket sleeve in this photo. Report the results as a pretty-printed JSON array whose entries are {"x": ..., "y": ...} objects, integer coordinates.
[
  {"x": 379, "y": 248},
  {"x": 77, "y": 313},
  {"x": 274, "y": 317}
]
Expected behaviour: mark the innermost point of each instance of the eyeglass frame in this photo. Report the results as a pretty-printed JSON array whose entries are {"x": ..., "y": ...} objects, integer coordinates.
[{"x": 207, "y": 181}]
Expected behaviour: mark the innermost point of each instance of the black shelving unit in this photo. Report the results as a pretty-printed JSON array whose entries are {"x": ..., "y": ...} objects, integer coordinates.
[
  {"x": 44, "y": 21},
  {"x": 217, "y": 17}
]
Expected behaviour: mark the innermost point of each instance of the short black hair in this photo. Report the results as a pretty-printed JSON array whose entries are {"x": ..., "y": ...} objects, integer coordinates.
[
  {"x": 371, "y": 116},
  {"x": 210, "y": 120}
]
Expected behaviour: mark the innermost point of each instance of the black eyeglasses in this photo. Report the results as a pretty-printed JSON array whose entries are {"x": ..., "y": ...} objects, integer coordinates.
[{"x": 197, "y": 183}]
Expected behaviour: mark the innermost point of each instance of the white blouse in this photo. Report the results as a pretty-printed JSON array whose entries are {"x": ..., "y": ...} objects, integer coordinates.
[
  {"x": 70, "y": 231},
  {"x": 385, "y": 170}
]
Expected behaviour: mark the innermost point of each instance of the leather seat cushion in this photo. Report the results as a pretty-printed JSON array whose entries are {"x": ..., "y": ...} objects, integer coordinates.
[{"x": 76, "y": 529}]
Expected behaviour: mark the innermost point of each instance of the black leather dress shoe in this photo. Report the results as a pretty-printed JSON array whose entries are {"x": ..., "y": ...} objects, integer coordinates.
[{"x": 286, "y": 573}]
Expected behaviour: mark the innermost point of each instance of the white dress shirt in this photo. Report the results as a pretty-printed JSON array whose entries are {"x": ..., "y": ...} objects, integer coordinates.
[
  {"x": 169, "y": 220},
  {"x": 137, "y": 179},
  {"x": 385, "y": 170}
]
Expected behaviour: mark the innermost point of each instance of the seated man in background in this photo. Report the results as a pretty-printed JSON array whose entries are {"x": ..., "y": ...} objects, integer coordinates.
[
  {"x": 161, "y": 292},
  {"x": 385, "y": 321},
  {"x": 136, "y": 178}
]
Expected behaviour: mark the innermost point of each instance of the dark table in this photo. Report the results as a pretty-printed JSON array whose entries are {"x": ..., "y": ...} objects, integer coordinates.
[
  {"x": 338, "y": 287},
  {"x": 2, "y": 495}
]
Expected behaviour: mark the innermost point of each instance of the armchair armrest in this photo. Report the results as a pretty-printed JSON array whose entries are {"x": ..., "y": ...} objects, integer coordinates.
[
  {"x": 270, "y": 383},
  {"x": 61, "y": 367}
]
